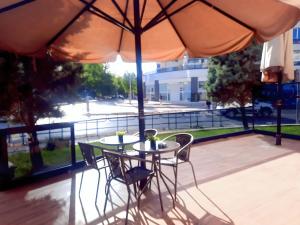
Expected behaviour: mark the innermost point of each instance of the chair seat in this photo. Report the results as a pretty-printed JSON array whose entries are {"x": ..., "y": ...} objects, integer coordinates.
[
  {"x": 170, "y": 161},
  {"x": 137, "y": 173}
]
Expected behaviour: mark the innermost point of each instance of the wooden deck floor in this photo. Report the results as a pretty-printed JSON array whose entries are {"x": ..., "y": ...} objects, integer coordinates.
[{"x": 245, "y": 180}]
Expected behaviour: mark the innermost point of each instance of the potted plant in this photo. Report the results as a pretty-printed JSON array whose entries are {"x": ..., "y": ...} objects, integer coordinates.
[
  {"x": 153, "y": 140},
  {"x": 120, "y": 135}
]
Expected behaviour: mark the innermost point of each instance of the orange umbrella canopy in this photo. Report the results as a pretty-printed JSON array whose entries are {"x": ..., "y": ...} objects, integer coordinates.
[{"x": 99, "y": 30}]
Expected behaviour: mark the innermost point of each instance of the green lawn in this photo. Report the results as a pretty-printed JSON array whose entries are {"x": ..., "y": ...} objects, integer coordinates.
[
  {"x": 205, "y": 133},
  {"x": 293, "y": 129},
  {"x": 62, "y": 156}
]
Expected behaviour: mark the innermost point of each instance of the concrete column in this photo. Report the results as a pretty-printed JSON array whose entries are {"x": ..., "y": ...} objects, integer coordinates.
[
  {"x": 156, "y": 90},
  {"x": 194, "y": 89}
]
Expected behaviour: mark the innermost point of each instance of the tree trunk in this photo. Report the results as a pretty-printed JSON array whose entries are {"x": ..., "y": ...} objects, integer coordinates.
[
  {"x": 244, "y": 118},
  {"x": 35, "y": 152}
]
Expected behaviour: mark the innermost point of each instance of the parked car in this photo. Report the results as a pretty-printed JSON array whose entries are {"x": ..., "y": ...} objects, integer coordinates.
[{"x": 262, "y": 109}]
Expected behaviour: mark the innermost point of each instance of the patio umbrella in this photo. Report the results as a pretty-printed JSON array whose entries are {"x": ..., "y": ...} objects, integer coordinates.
[
  {"x": 97, "y": 30},
  {"x": 277, "y": 65}
]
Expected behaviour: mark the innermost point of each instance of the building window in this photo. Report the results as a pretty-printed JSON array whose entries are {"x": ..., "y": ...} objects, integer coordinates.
[{"x": 296, "y": 35}]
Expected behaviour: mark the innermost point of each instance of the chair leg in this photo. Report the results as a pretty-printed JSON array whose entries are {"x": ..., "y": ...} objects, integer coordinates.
[
  {"x": 104, "y": 164},
  {"x": 97, "y": 187},
  {"x": 159, "y": 193},
  {"x": 193, "y": 174},
  {"x": 106, "y": 193},
  {"x": 81, "y": 181},
  {"x": 143, "y": 189},
  {"x": 176, "y": 174},
  {"x": 128, "y": 202},
  {"x": 135, "y": 189}
]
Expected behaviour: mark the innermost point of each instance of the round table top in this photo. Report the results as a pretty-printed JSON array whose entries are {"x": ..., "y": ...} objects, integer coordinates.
[
  {"x": 146, "y": 148},
  {"x": 114, "y": 140}
]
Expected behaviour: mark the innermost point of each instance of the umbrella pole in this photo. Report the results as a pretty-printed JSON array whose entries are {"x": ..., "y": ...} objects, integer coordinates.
[
  {"x": 139, "y": 77},
  {"x": 279, "y": 106}
]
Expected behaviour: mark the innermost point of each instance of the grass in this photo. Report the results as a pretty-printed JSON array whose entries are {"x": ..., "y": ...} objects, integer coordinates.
[
  {"x": 286, "y": 129},
  {"x": 205, "y": 133},
  {"x": 62, "y": 155}
]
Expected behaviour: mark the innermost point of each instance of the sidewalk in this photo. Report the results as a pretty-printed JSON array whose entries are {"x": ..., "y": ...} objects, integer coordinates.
[{"x": 164, "y": 107}]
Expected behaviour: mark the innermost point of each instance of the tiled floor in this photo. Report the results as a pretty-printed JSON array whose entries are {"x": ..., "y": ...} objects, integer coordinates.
[{"x": 244, "y": 180}]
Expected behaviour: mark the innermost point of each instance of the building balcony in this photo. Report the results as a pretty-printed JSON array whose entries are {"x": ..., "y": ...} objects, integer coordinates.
[{"x": 179, "y": 68}]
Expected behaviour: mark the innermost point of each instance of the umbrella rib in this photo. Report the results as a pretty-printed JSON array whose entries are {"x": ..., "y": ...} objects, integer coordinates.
[
  {"x": 14, "y": 6},
  {"x": 122, "y": 13},
  {"x": 172, "y": 24},
  {"x": 154, "y": 23},
  {"x": 60, "y": 32},
  {"x": 122, "y": 30},
  {"x": 158, "y": 16},
  {"x": 98, "y": 12},
  {"x": 227, "y": 15},
  {"x": 111, "y": 20},
  {"x": 143, "y": 10}
]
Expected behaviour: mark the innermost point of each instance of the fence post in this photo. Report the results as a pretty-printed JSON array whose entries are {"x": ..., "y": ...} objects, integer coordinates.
[
  {"x": 127, "y": 122},
  {"x": 86, "y": 128},
  {"x": 117, "y": 122},
  {"x": 252, "y": 108},
  {"x": 212, "y": 118},
  {"x": 152, "y": 119},
  {"x": 168, "y": 120},
  {"x": 23, "y": 138},
  {"x": 175, "y": 121},
  {"x": 97, "y": 128},
  {"x": 190, "y": 119},
  {"x": 5, "y": 173},
  {"x": 220, "y": 118},
  {"x": 73, "y": 153}
]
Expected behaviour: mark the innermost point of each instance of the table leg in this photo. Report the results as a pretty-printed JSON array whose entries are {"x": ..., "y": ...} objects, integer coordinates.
[
  {"x": 162, "y": 175},
  {"x": 143, "y": 165}
]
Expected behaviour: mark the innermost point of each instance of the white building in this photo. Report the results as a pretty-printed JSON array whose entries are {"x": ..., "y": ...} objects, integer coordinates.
[
  {"x": 177, "y": 81},
  {"x": 183, "y": 80}
]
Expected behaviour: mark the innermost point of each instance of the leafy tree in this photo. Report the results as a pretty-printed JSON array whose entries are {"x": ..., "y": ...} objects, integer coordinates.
[
  {"x": 119, "y": 85},
  {"x": 30, "y": 90},
  {"x": 97, "y": 80},
  {"x": 232, "y": 77},
  {"x": 127, "y": 79}
]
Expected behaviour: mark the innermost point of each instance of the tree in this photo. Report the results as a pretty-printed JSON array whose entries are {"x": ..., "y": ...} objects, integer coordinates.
[
  {"x": 97, "y": 80},
  {"x": 31, "y": 89},
  {"x": 130, "y": 79},
  {"x": 119, "y": 85},
  {"x": 232, "y": 77}
]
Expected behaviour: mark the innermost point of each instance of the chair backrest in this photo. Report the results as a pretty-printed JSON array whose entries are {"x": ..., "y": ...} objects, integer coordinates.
[
  {"x": 88, "y": 154},
  {"x": 148, "y": 133},
  {"x": 115, "y": 163},
  {"x": 185, "y": 140}
]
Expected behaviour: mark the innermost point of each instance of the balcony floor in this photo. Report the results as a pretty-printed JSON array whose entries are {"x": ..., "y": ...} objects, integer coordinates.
[{"x": 244, "y": 180}]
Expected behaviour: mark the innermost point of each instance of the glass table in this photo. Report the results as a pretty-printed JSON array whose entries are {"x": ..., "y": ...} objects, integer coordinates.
[
  {"x": 145, "y": 147},
  {"x": 114, "y": 141}
]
